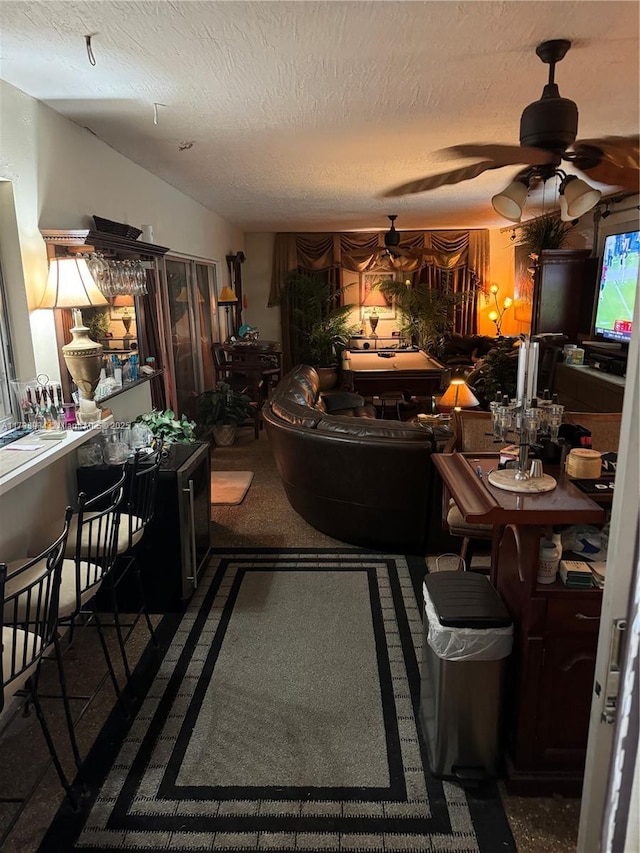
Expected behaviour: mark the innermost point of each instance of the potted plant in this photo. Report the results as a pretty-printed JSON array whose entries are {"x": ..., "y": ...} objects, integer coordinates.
[
  {"x": 320, "y": 326},
  {"x": 167, "y": 429},
  {"x": 425, "y": 313},
  {"x": 221, "y": 410},
  {"x": 544, "y": 232}
]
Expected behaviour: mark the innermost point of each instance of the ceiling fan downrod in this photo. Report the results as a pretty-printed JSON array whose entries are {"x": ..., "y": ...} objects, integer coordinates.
[{"x": 550, "y": 123}]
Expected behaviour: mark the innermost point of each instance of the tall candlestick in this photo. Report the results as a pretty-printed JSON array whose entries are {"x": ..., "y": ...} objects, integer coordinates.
[
  {"x": 532, "y": 371},
  {"x": 522, "y": 371}
]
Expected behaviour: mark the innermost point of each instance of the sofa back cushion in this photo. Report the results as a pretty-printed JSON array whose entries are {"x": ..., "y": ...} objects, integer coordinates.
[
  {"x": 294, "y": 413},
  {"x": 370, "y": 428}
]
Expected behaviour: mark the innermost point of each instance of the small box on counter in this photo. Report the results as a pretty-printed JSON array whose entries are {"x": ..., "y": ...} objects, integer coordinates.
[
  {"x": 574, "y": 356},
  {"x": 599, "y": 571},
  {"x": 576, "y": 573}
]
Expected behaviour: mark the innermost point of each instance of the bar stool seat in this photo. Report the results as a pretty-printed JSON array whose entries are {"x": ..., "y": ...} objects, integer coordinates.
[{"x": 68, "y": 592}]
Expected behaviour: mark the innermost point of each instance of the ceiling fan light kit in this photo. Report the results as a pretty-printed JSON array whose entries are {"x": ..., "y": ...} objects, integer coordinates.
[
  {"x": 580, "y": 197},
  {"x": 510, "y": 202},
  {"x": 548, "y": 130}
]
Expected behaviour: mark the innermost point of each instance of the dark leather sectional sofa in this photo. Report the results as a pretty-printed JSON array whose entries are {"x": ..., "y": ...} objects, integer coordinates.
[{"x": 358, "y": 479}]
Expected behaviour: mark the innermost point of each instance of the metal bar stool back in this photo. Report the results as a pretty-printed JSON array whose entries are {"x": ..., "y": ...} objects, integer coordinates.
[{"x": 28, "y": 623}]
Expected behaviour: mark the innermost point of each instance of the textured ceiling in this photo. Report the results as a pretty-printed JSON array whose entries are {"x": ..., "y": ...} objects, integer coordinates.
[{"x": 302, "y": 113}]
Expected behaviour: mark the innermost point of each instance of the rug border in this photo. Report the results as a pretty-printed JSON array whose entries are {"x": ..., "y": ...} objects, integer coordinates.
[{"x": 485, "y": 806}]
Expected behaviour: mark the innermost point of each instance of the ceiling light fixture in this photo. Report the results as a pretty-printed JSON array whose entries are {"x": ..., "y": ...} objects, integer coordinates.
[{"x": 575, "y": 196}]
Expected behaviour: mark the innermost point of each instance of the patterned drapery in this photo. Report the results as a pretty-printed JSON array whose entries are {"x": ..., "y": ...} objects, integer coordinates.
[{"x": 458, "y": 259}]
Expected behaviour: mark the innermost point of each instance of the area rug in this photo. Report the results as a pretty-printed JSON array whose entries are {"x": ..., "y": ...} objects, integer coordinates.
[
  {"x": 228, "y": 488},
  {"x": 283, "y": 716}
]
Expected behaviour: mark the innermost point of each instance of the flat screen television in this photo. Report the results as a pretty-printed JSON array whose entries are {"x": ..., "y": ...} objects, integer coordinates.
[{"x": 616, "y": 295}]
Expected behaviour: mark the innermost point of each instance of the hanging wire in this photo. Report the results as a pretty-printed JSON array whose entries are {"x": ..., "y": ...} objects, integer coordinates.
[
  {"x": 92, "y": 59},
  {"x": 156, "y": 112}
]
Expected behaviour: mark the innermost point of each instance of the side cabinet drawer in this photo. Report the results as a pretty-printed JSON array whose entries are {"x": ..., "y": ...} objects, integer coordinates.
[{"x": 576, "y": 616}]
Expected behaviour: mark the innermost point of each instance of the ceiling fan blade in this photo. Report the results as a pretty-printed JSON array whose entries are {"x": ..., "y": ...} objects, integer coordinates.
[
  {"x": 455, "y": 176},
  {"x": 613, "y": 160},
  {"x": 505, "y": 155}
]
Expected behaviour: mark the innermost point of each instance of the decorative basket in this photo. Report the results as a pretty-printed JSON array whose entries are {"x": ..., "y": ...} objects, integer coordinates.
[{"x": 120, "y": 229}]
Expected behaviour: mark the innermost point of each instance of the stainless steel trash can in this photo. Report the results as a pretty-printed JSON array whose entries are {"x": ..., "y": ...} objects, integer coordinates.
[{"x": 467, "y": 637}]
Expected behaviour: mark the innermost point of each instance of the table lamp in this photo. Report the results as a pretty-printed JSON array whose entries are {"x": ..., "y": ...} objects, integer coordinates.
[
  {"x": 227, "y": 298},
  {"x": 126, "y": 303},
  {"x": 457, "y": 396},
  {"x": 71, "y": 285},
  {"x": 374, "y": 300}
]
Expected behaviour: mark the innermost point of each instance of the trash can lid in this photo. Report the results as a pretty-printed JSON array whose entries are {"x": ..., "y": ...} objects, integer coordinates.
[{"x": 466, "y": 600}]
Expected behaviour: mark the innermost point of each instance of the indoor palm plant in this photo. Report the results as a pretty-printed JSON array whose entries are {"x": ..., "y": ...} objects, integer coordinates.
[
  {"x": 425, "y": 313},
  {"x": 320, "y": 326},
  {"x": 221, "y": 410}
]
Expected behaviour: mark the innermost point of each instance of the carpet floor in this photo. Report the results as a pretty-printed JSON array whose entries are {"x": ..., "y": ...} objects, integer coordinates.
[{"x": 283, "y": 714}]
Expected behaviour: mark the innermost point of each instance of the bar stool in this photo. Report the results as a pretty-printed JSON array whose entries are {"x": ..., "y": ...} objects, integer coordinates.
[
  {"x": 28, "y": 623},
  {"x": 136, "y": 515},
  {"x": 90, "y": 556}
]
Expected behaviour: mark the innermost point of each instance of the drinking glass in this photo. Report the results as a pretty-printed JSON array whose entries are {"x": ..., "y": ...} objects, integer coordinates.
[
  {"x": 116, "y": 445},
  {"x": 504, "y": 416},
  {"x": 530, "y": 423},
  {"x": 90, "y": 454},
  {"x": 554, "y": 420}
]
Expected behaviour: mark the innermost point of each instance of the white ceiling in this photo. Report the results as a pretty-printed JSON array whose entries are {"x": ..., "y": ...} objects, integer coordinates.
[{"x": 302, "y": 113}]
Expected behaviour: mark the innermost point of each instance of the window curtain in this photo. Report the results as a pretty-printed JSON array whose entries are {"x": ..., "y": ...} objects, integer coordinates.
[{"x": 457, "y": 258}]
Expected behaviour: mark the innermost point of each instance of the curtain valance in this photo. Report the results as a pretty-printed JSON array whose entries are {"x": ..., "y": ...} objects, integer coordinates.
[{"x": 358, "y": 252}]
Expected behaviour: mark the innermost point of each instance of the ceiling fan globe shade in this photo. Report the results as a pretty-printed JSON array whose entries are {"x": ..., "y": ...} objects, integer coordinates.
[
  {"x": 564, "y": 216},
  {"x": 510, "y": 201},
  {"x": 580, "y": 198}
]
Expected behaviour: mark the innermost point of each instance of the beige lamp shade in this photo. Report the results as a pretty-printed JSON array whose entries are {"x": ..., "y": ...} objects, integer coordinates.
[
  {"x": 509, "y": 202},
  {"x": 227, "y": 296},
  {"x": 580, "y": 197},
  {"x": 71, "y": 285},
  {"x": 457, "y": 396},
  {"x": 123, "y": 300},
  {"x": 375, "y": 299}
]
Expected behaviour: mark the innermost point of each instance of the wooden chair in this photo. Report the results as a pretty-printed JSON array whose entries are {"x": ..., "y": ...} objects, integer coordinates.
[
  {"x": 243, "y": 374},
  {"x": 472, "y": 432}
]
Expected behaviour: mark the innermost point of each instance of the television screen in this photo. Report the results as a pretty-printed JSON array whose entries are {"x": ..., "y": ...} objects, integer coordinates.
[{"x": 618, "y": 286}]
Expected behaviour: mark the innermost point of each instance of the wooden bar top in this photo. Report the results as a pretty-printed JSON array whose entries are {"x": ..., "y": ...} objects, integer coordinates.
[{"x": 479, "y": 501}]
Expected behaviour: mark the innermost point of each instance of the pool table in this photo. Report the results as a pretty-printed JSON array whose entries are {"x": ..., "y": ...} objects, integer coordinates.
[{"x": 371, "y": 374}]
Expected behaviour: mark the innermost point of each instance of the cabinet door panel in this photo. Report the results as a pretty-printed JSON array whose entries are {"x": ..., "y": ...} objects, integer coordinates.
[{"x": 565, "y": 700}]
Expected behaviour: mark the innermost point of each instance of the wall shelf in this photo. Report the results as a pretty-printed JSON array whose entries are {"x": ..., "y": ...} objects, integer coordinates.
[{"x": 102, "y": 241}]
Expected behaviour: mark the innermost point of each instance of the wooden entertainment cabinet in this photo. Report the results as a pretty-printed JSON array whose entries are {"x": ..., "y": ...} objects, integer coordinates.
[{"x": 585, "y": 389}]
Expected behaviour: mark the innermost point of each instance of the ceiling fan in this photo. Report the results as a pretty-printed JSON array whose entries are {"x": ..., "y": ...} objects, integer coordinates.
[
  {"x": 548, "y": 130},
  {"x": 398, "y": 257}
]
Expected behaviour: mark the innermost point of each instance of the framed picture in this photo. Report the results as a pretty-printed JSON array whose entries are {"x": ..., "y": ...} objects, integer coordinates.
[{"x": 367, "y": 280}]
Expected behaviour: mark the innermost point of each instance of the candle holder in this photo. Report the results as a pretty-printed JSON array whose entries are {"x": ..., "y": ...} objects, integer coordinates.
[{"x": 525, "y": 419}]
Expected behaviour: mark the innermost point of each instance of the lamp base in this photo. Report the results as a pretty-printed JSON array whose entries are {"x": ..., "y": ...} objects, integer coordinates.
[
  {"x": 88, "y": 412},
  {"x": 83, "y": 358},
  {"x": 374, "y": 324}
]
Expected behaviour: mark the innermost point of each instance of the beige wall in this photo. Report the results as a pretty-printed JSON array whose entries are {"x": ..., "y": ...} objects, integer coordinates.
[
  {"x": 60, "y": 174},
  {"x": 256, "y": 280}
]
